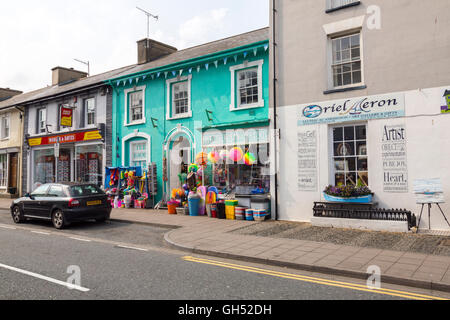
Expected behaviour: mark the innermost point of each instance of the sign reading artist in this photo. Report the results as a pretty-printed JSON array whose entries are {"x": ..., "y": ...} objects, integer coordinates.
[
  {"x": 354, "y": 109},
  {"x": 394, "y": 159},
  {"x": 307, "y": 161}
]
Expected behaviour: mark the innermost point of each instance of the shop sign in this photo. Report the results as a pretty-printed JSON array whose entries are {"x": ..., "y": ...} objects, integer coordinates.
[
  {"x": 354, "y": 109},
  {"x": 66, "y": 116},
  {"x": 394, "y": 159},
  {"x": 232, "y": 137},
  {"x": 307, "y": 161},
  {"x": 65, "y": 138}
]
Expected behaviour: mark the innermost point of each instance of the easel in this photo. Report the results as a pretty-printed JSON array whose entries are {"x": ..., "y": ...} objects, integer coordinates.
[{"x": 429, "y": 214}]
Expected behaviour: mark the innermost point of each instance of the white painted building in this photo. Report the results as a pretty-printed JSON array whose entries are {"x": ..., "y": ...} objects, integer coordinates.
[{"x": 359, "y": 98}]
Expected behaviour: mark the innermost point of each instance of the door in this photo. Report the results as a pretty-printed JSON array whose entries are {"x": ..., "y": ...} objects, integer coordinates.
[
  {"x": 13, "y": 166},
  {"x": 178, "y": 161},
  {"x": 33, "y": 206}
]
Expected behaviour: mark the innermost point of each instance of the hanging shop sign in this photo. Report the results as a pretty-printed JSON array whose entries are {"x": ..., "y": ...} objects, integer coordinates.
[
  {"x": 394, "y": 159},
  {"x": 65, "y": 138},
  {"x": 353, "y": 109},
  {"x": 307, "y": 161},
  {"x": 66, "y": 117}
]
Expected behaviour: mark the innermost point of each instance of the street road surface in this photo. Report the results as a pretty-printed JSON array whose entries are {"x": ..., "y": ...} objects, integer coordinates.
[{"x": 121, "y": 261}]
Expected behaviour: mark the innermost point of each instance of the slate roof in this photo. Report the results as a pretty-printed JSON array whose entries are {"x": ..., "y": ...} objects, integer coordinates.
[{"x": 178, "y": 56}]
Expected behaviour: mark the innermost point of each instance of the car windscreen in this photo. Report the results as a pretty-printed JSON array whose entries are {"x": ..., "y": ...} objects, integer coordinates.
[{"x": 86, "y": 190}]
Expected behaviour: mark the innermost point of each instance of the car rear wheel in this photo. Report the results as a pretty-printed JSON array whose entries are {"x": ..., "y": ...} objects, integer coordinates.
[
  {"x": 58, "y": 219},
  {"x": 17, "y": 215}
]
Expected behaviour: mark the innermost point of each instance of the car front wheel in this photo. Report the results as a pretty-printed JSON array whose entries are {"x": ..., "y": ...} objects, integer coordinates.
[
  {"x": 17, "y": 215},
  {"x": 58, "y": 219}
]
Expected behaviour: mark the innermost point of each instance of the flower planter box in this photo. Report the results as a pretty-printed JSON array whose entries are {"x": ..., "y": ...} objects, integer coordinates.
[{"x": 363, "y": 199}]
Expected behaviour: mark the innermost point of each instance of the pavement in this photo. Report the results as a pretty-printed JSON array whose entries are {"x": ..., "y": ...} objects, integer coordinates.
[{"x": 213, "y": 237}]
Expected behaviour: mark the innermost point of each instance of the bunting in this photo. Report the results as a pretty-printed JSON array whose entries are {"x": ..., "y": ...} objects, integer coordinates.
[{"x": 216, "y": 63}]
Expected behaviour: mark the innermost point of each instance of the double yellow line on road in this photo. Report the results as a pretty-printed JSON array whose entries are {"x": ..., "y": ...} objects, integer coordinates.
[{"x": 340, "y": 284}]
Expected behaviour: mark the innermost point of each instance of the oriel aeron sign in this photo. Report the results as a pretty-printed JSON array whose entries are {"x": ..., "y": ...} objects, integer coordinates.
[
  {"x": 66, "y": 117},
  {"x": 353, "y": 109}
]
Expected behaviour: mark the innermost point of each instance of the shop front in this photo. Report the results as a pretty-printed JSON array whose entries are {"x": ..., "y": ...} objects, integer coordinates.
[
  {"x": 382, "y": 146},
  {"x": 75, "y": 157}
]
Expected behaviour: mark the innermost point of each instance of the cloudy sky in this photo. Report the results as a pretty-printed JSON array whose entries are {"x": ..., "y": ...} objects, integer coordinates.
[{"x": 36, "y": 36}]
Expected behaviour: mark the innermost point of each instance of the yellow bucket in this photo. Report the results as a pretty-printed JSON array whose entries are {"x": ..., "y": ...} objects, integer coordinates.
[{"x": 230, "y": 212}]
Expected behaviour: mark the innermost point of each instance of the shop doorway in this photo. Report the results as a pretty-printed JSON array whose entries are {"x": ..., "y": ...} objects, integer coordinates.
[
  {"x": 64, "y": 165},
  {"x": 179, "y": 160},
  {"x": 13, "y": 167}
]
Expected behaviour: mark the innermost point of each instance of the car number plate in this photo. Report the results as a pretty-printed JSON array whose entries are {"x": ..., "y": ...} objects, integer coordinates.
[{"x": 94, "y": 203}]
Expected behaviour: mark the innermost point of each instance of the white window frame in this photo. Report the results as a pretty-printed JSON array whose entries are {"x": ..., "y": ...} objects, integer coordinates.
[
  {"x": 39, "y": 128},
  {"x": 6, "y": 116},
  {"x": 331, "y": 148},
  {"x": 234, "y": 94},
  {"x": 86, "y": 113},
  {"x": 170, "y": 106},
  {"x": 132, "y": 146},
  {"x": 128, "y": 123},
  {"x": 331, "y": 64},
  {"x": 343, "y": 4},
  {"x": 5, "y": 172},
  {"x": 137, "y": 135}
]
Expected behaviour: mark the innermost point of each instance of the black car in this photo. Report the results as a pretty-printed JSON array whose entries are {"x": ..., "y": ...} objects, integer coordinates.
[{"x": 63, "y": 204}]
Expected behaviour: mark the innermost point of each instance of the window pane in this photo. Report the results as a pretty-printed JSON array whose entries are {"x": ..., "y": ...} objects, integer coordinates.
[
  {"x": 349, "y": 133},
  {"x": 346, "y": 55},
  {"x": 362, "y": 164},
  {"x": 357, "y": 77},
  {"x": 340, "y": 179},
  {"x": 351, "y": 178},
  {"x": 351, "y": 164},
  {"x": 361, "y": 148},
  {"x": 338, "y": 134},
  {"x": 363, "y": 179},
  {"x": 345, "y": 43},
  {"x": 355, "y": 40},
  {"x": 356, "y": 54},
  {"x": 339, "y": 164},
  {"x": 361, "y": 133},
  {"x": 347, "y": 78}
]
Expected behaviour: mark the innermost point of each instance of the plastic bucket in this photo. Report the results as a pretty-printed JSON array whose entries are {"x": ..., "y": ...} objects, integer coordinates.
[
  {"x": 259, "y": 215},
  {"x": 194, "y": 205},
  {"x": 213, "y": 211},
  {"x": 230, "y": 212},
  {"x": 209, "y": 210},
  {"x": 240, "y": 213},
  {"x": 172, "y": 208},
  {"x": 221, "y": 210},
  {"x": 249, "y": 215}
]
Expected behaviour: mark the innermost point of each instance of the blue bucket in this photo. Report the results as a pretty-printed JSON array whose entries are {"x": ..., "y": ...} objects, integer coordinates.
[{"x": 194, "y": 206}]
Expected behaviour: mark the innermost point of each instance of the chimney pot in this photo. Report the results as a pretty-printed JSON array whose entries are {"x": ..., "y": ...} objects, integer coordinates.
[{"x": 149, "y": 50}]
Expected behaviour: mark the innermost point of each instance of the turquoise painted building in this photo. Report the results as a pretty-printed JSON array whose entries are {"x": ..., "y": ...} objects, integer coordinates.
[{"x": 210, "y": 97}]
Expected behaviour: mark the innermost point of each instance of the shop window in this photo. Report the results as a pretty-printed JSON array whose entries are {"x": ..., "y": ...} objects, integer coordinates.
[
  {"x": 44, "y": 166},
  {"x": 42, "y": 121},
  {"x": 138, "y": 154},
  {"x": 90, "y": 112},
  {"x": 5, "y": 127},
  {"x": 350, "y": 157},
  {"x": 346, "y": 62},
  {"x": 89, "y": 164},
  {"x": 3, "y": 170},
  {"x": 246, "y": 86}
]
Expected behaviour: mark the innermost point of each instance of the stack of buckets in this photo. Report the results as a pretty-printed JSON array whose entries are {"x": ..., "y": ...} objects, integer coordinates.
[{"x": 230, "y": 209}]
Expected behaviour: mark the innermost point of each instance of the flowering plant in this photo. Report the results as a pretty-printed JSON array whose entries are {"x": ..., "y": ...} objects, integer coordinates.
[{"x": 349, "y": 191}]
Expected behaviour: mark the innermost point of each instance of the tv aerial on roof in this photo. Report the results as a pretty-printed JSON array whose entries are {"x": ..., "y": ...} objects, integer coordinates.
[{"x": 149, "y": 15}]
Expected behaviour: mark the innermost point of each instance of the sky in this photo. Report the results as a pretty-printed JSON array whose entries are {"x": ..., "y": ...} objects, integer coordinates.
[{"x": 36, "y": 36}]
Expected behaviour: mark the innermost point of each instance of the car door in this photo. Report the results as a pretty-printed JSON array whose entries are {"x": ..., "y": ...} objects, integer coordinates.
[
  {"x": 32, "y": 207},
  {"x": 56, "y": 197}
]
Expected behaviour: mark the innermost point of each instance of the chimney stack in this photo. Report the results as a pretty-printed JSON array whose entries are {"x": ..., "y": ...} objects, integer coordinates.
[
  {"x": 62, "y": 75},
  {"x": 6, "y": 93},
  {"x": 149, "y": 50}
]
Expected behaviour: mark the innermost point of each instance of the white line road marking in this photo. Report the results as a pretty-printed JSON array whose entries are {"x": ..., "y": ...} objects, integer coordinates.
[
  {"x": 79, "y": 239},
  {"x": 40, "y": 232},
  {"x": 132, "y": 248},
  {"x": 38, "y": 276},
  {"x": 6, "y": 227}
]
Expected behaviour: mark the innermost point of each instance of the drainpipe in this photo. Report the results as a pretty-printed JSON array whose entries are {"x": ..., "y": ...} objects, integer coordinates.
[{"x": 274, "y": 12}]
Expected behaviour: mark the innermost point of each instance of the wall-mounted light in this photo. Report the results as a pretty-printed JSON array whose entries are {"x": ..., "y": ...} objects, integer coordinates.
[{"x": 154, "y": 122}]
